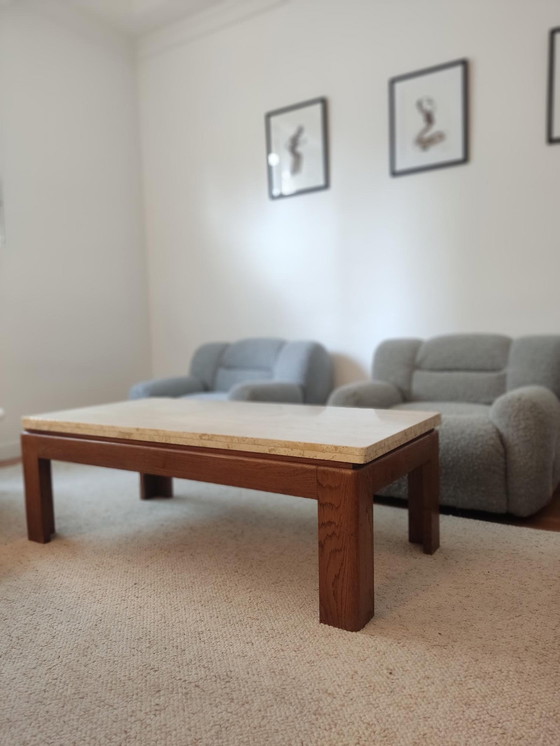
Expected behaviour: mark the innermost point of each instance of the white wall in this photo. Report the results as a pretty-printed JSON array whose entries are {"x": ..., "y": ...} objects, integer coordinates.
[
  {"x": 470, "y": 248},
  {"x": 73, "y": 300}
]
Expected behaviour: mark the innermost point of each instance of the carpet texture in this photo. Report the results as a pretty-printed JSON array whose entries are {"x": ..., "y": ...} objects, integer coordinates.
[{"x": 195, "y": 621}]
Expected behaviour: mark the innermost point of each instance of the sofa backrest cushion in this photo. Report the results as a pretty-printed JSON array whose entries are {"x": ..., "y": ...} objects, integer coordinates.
[
  {"x": 461, "y": 367},
  {"x": 247, "y": 360},
  {"x": 535, "y": 360},
  {"x": 454, "y": 367},
  {"x": 476, "y": 368},
  {"x": 479, "y": 387},
  {"x": 462, "y": 352}
]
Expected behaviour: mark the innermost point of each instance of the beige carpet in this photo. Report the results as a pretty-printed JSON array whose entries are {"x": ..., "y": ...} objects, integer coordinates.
[{"x": 195, "y": 621}]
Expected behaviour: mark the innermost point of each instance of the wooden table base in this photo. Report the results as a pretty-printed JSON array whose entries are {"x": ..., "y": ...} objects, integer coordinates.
[{"x": 344, "y": 494}]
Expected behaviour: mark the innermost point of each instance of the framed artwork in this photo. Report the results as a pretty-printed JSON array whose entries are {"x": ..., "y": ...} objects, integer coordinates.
[
  {"x": 428, "y": 118},
  {"x": 297, "y": 149},
  {"x": 553, "y": 118}
]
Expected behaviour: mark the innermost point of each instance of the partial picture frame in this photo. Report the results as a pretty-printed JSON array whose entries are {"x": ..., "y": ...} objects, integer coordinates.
[
  {"x": 553, "y": 93},
  {"x": 429, "y": 118},
  {"x": 297, "y": 153}
]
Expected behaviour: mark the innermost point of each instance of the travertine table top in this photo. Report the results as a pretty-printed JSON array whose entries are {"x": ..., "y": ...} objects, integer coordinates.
[{"x": 324, "y": 433}]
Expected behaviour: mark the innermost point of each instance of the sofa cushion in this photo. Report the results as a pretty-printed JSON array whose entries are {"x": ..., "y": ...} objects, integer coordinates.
[
  {"x": 227, "y": 378},
  {"x": 461, "y": 367},
  {"x": 469, "y": 386},
  {"x": 247, "y": 360},
  {"x": 308, "y": 364},
  {"x": 447, "y": 407},
  {"x": 476, "y": 352}
]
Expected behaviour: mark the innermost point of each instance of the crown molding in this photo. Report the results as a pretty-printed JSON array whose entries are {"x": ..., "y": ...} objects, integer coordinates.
[{"x": 203, "y": 24}]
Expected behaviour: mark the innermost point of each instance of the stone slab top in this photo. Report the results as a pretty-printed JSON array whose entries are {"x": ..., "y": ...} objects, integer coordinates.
[{"x": 304, "y": 431}]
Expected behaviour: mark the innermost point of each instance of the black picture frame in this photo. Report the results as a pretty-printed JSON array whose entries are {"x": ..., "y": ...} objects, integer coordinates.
[
  {"x": 297, "y": 151},
  {"x": 553, "y": 89},
  {"x": 420, "y": 139}
]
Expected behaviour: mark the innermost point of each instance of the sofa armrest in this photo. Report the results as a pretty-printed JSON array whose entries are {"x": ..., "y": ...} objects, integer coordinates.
[
  {"x": 272, "y": 391},
  {"x": 372, "y": 394},
  {"x": 528, "y": 420},
  {"x": 178, "y": 386}
]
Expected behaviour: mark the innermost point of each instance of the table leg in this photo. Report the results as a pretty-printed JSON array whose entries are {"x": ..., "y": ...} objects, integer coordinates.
[
  {"x": 423, "y": 502},
  {"x": 38, "y": 495},
  {"x": 345, "y": 514},
  {"x": 152, "y": 485}
]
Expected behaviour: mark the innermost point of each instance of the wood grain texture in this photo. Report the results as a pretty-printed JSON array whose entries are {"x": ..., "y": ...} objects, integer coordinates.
[
  {"x": 386, "y": 469},
  {"x": 345, "y": 527},
  {"x": 202, "y": 464},
  {"x": 39, "y": 505},
  {"x": 423, "y": 500}
]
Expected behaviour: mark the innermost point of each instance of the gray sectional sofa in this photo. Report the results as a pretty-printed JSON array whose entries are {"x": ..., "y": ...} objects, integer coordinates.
[{"x": 499, "y": 400}]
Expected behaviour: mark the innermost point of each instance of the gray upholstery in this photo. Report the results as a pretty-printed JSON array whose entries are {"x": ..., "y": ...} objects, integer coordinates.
[
  {"x": 374, "y": 394},
  {"x": 256, "y": 369},
  {"x": 500, "y": 432},
  {"x": 535, "y": 360}
]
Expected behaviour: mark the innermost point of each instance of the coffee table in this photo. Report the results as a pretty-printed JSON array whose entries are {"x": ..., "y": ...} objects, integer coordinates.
[{"x": 338, "y": 456}]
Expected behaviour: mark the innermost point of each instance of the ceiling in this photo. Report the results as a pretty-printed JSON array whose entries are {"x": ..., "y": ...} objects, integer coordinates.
[{"x": 140, "y": 16}]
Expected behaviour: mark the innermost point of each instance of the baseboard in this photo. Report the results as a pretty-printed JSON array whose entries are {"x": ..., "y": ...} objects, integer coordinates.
[{"x": 9, "y": 451}]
